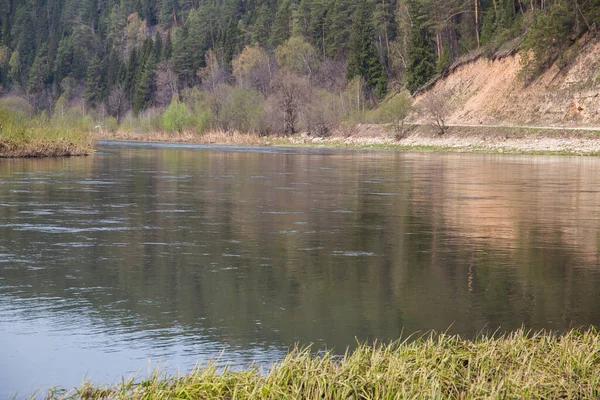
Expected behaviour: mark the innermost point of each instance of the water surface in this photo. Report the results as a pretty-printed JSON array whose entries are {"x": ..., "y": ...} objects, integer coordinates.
[{"x": 182, "y": 254}]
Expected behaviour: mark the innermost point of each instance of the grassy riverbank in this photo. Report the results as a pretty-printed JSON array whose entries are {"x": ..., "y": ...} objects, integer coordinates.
[
  {"x": 42, "y": 136},
  {"x": 516, "y": 365}
]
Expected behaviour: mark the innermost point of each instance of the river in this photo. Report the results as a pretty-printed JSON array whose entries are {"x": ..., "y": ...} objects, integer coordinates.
[{"x": 146, "y": 255}]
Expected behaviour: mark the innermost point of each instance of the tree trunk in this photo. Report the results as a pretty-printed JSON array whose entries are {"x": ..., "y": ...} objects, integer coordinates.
[{"x": 477, "y": 22}]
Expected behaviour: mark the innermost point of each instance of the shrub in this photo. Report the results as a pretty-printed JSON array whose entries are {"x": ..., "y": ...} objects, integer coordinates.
[
  {"x": 243, "y": 110},
  {"x": 436, "y": 110},
  {"x": 175, "y": 117},
  {"x": 322, "y": 113},
  {"x": 394, "y": 110}
]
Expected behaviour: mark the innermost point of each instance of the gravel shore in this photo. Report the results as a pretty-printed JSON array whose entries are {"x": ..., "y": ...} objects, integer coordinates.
[{"x": 479, "y": 139}]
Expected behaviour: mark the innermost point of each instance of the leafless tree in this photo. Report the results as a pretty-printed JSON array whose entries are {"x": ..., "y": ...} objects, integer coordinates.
[
  {"x": 331, "y": 75},
  {"x": 436, "y": 110},
  {"x": 290, "y": 93},
  {"x": 213, "y": 74},
  {"x": 322, "y": 113},
  {"x": 116, "y": 104},
  {"x": 166, "y": 84}
]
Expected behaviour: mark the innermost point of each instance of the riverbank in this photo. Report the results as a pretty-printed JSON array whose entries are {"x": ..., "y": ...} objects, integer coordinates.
[
  {"x": 43, "y": 148},
  {"x": 22, "y": 135},
  {"x": 516, "y": 365},
  {"x": 470, "y": 139}
]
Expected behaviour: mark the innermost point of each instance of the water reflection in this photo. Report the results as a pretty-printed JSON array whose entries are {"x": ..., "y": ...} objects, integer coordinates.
[{"x": 182, "y": 253}]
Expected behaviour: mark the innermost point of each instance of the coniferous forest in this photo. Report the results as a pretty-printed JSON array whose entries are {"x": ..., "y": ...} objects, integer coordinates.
[{"x": 258, "y": 65}]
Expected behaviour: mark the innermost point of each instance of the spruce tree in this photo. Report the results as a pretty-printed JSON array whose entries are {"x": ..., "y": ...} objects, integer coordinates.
[
  {"x": 363, "y": 59},
  {"x": 337, "y": 27},
  {"x": 132, "y": 66},
  {"x": 158, "y": 46},
  {"x": 182, "y": 60},
  {"x": 230, "y": 42},
  {"x": 261, "y": 31},
  {"x": 282, "y": 24},
  {"x": 168, "y": 13},
  {"x": 421, "y": 57},
  {"x": 93, "y": 83},
  {"x": 168, "y": 48}
]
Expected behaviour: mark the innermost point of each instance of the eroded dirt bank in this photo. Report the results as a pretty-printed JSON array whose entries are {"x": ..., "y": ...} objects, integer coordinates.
[{"x": 496, "y": 92}]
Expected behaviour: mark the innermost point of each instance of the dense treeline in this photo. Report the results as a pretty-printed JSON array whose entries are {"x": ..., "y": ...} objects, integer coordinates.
[{"x": 258, "y": 57}]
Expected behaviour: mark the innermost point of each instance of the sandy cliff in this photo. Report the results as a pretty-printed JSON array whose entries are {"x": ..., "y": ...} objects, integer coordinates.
[{"x": 494, "y": 92}]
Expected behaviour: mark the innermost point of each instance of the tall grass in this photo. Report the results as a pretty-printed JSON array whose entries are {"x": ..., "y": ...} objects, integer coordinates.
[
  {"x": 436, "y": 366},
  {"x": 38, "y": 136}
]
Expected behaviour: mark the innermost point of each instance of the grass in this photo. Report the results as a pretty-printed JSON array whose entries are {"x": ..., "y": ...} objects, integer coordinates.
[
  {"x": 518, "y": 365},
  {"x": 41, "y": 136}
]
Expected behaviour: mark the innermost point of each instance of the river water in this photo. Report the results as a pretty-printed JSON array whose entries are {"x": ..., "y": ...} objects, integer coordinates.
[{"x": 175, "y": 255}]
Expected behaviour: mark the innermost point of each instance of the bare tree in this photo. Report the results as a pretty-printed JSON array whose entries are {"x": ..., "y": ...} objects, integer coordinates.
[
  {"x": 166, "y": 84},
  {"x": 213, "y": 74},
  {"x": 290, "y": 93},
  {"x": 322, "y": 113},
  {"x": 116, "y": 104},
  {"x": 436, "y": 110}
]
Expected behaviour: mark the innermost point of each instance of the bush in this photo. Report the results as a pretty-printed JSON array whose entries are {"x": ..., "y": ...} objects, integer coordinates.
[
  {"x": 394, "y": 110},
  {"x": 17, "y": 104},
  {"x": 436, "y": 110},
  {"x": 322, "y": 113},
  {"x": 151, "y": 120},
  {"x": 243, "y": 110},
  {"x": 175, "y": 117}
]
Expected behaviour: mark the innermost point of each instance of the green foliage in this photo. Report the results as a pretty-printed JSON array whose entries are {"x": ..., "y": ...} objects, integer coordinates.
[
  {"x": 550, "y": 36},
  {"x": 175, "y": 118},
  {"x": 395, "y": 109},
  {"x": 243, "y": 111},
  {"x": 98, "y": 46},
  {"x": 94, "y": 87},
  {"x": 22, "y": 136},
  {"x": 363, "y": 59},
  {"x": 443, "y": 60},
  {"x": 282, "y": 24},
  {"x": 421, "y": 64},
  {"x": 297, "y": 56}
]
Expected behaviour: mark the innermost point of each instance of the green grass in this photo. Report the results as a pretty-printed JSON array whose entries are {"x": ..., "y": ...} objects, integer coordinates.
[
  {"x": 519, "y": 365},
  {"x": 41, "y": 136}
]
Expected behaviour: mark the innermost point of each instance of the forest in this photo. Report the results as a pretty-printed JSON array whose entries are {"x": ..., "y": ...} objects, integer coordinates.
[{"x": 266, "y": 66}]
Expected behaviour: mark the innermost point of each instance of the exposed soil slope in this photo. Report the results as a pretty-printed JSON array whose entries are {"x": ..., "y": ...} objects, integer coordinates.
[{"x": 494, "y": 92}]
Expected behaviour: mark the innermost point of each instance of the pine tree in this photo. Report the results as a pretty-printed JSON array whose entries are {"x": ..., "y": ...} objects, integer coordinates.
[
  {"x": 261, "y": 31},
  {"x": 94, "y": 85},
  {"x": 168, "y": 48},
  {"x": 230, "y": 42},
  {"x": 132, "y": 66},
  {"x": 39, "y": 72},
  {"x": 143, "y": 92},
  {"x": 338, "y": 28},
  {"x": 363, "y": 59},
  {"x": 158, "y": 46},
  {"x": 282, "y": 24},
  {"x": 168, "y": 13},
  {"x": 182, "y": 60},
  {"x": 421, "y": 57}
]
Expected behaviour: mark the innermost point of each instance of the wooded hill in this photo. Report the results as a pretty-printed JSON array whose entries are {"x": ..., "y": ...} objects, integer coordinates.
[{"x": 134, "y": 55}]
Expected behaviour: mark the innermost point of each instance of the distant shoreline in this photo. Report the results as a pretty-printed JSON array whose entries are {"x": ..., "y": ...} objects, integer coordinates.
[
  {"x": 414, "y": 138},
  {"x": 417, "y": 138}
]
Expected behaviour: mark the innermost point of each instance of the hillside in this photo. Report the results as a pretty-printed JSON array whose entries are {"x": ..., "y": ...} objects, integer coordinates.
[{"x": 494, "y": 92}]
